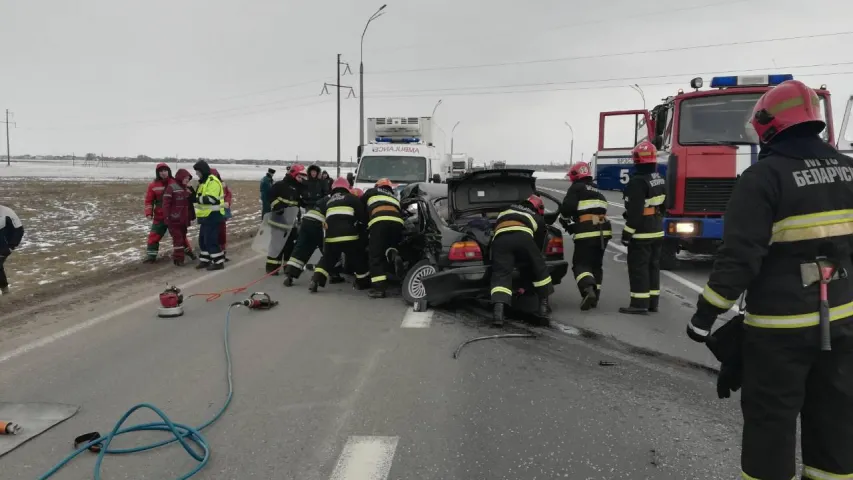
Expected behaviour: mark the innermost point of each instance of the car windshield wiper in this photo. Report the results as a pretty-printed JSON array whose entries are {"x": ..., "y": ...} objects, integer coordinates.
[{"x": 719, "y": 142}]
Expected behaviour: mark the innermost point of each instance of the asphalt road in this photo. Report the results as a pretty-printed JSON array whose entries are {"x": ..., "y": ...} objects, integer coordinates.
[{"x": 335, "y": 386}]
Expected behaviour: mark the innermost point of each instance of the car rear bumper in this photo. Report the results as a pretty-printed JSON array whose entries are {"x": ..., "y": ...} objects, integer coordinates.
[{"x": 467, "y": 282}]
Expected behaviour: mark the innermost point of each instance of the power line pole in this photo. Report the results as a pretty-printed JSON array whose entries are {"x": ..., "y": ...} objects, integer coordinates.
[
  {"x": 8, "y": 154},
  {"x": 338, "y": 86}
]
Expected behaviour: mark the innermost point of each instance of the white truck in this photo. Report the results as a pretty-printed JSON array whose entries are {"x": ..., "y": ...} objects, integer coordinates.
[
  {"x": 459, "y": 164},
  {"x": 400, "y": 149}
]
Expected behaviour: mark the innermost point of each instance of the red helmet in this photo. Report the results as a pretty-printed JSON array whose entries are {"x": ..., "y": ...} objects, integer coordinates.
[
  {"x": 384, "y": 182},
  {"x": 645, "y": 152},
  {"x": 537, "y": 203},
  {"x": 578, "y": 171},
  {"x": 297, "y": 170},
  {"x": 357, "y": 191},
  {"x": 341, "y": 182},
  {"x": 791, "y": 103}
]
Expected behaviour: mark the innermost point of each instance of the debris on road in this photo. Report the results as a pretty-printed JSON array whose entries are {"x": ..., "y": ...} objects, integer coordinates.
[{"x": 491, "y": 337}]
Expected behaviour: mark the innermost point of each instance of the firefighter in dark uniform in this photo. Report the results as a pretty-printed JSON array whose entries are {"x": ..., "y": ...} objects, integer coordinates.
[
  {"x": 310, "y": 238},
  {"x": 345, "y": 225},
  {"x": 793, "y": 205},
  {"x": 285, "y": 199},
  {"x": 385, "y": 226},
  {"x": 584, "y": 216},
  {"x": 643, "y": 232},
  {"x": 518, "y": 239}
]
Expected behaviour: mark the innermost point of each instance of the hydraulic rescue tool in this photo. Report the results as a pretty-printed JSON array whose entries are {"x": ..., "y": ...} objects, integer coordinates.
[
  {"x": 9, "y": 428},
  {"x": 823, "y": 271},
  {"x": 171, "y": 303},
  {"x": 257, "y": 301}
]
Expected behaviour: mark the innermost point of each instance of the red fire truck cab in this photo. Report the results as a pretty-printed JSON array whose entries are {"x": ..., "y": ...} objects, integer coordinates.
[{"x": 703, "y": 146}]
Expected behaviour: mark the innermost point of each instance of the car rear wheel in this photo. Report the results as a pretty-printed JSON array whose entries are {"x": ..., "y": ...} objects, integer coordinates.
[{"x": 413, "y": 287}]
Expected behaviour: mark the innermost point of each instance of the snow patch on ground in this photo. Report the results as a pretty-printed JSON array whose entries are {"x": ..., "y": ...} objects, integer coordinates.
[{"x": 56, "y": 170}]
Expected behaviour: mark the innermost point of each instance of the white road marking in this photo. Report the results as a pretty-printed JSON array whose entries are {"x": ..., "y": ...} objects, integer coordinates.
[
  {"x": 44, "y": 341},
  {"x": 678, "y": 278},
  {"x": 414, "y": 319},
  {"x": 553, "y": 190},
  {"x": 617, "y": 257},
  {"x": 616, "y": 204},
  {"x": 365, "y": 458}
]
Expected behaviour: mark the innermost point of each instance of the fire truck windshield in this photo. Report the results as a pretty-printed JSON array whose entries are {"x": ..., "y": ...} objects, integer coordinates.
[
  {"x": 717, "y": 119},
  {"x": 721, "y": 119},
  {"x": 397, "y": 169}
]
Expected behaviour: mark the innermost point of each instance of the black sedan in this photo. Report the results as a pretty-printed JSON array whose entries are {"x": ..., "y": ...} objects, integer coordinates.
[{"x": 449, "y": 232}]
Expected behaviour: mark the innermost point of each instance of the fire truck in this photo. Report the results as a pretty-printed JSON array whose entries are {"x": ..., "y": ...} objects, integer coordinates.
[{"x": 703, "y": 147}]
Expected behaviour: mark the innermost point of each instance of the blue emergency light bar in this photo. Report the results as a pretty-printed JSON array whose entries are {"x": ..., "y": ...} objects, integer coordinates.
[
  {"x": 750, "y": 80},
  {"x": 402, "y": 140}
]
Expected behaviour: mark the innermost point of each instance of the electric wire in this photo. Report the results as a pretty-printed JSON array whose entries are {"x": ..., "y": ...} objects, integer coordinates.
[
  {"x": 504, "y": 38},
  {"x": 607, "y": 55},
  {"x": 609, "y": 79},
  {"x": 595, "y": 87}
]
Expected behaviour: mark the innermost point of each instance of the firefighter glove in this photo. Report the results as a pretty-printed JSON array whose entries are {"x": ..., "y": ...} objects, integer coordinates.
[
  {"x": 728, "y": 380},
  {"x": 626, "y": 238},
  {"x": 697, "y": 333},
  {"x": 568, "y": 226}
]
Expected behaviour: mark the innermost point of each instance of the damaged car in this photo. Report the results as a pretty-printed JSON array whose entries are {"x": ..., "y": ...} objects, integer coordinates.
[{"x": 449, "y": 229}]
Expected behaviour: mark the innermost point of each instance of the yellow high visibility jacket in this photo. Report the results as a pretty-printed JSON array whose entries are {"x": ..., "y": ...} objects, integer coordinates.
[{"x": 210, "y": 198}]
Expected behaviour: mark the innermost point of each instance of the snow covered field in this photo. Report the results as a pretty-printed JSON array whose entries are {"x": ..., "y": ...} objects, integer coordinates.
[
  {"x": 116, "y": 171},
  {"x": 78, "y": 228}
]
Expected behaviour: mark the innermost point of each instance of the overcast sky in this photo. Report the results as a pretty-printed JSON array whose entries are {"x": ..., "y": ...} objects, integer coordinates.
[{"x": 217, "y": 78}]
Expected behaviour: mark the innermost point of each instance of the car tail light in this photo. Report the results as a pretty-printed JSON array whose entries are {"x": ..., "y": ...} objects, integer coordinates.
[
  {"x": 555, "y": 246},
  {"x": 464, "y": 251}
]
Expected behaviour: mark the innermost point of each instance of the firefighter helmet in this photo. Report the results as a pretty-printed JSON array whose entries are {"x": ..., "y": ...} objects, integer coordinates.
[
  {"x": 578, "y": 171},
  {"x": 537, "y": 203},
  {"x": 341, "y": 182},
  {"x": 790, "y": 103},
  {"x": 645, "y": 152},
  {"x": 357, "y": 191},
  {"x": 384, "y": 182},
  {"x": 297, "y": 171}
]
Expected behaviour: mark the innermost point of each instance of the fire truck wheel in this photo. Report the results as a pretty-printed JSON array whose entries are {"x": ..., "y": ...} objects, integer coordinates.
[{"x": 669, "y": 255}]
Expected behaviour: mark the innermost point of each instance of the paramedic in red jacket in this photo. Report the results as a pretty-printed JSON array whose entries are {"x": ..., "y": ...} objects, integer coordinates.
[
  {"x": 178, "y": 213},
  {"x": 154, "y": 210},
  {"x": 223, "y": 234}
]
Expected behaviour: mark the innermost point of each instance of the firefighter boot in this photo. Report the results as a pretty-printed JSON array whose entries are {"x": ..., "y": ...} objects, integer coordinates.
[
  {"x": 597, "y": 297},
  {"x": 653, "y": 303},
  {"x": 202, "y": 265},
  {"x": 544, "y": 311},
  {"x": 498, "y": 315},
  {"x": 179, "y": 263},
  {"x": 191, "y": 254},
  {"x": 590, "y": 299},
  {"x": 376, "y": 292},
  {"x": 288, "y": 280},
  {"x": 634, "y": 310},
  {"x": 216, "y": 266},
  {"x": 313, "y": 286},
  {"x": 273, "y": 270},
  {"x": 150, "y": 260},
  {"x": 4, "y": 290}
]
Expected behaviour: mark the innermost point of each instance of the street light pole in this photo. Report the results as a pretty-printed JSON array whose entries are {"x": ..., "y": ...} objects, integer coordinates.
[
  {"x": 451, "y": 137},
  {"x": 361, "y": 78},
  {"x": 435, "y": 108},
  {"x": 572, "y": 147},
  {"x": 640, "y": 91}
]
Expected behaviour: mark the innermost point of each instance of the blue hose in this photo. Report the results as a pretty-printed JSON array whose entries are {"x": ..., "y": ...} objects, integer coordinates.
[{"x": 181, "y": 433}]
